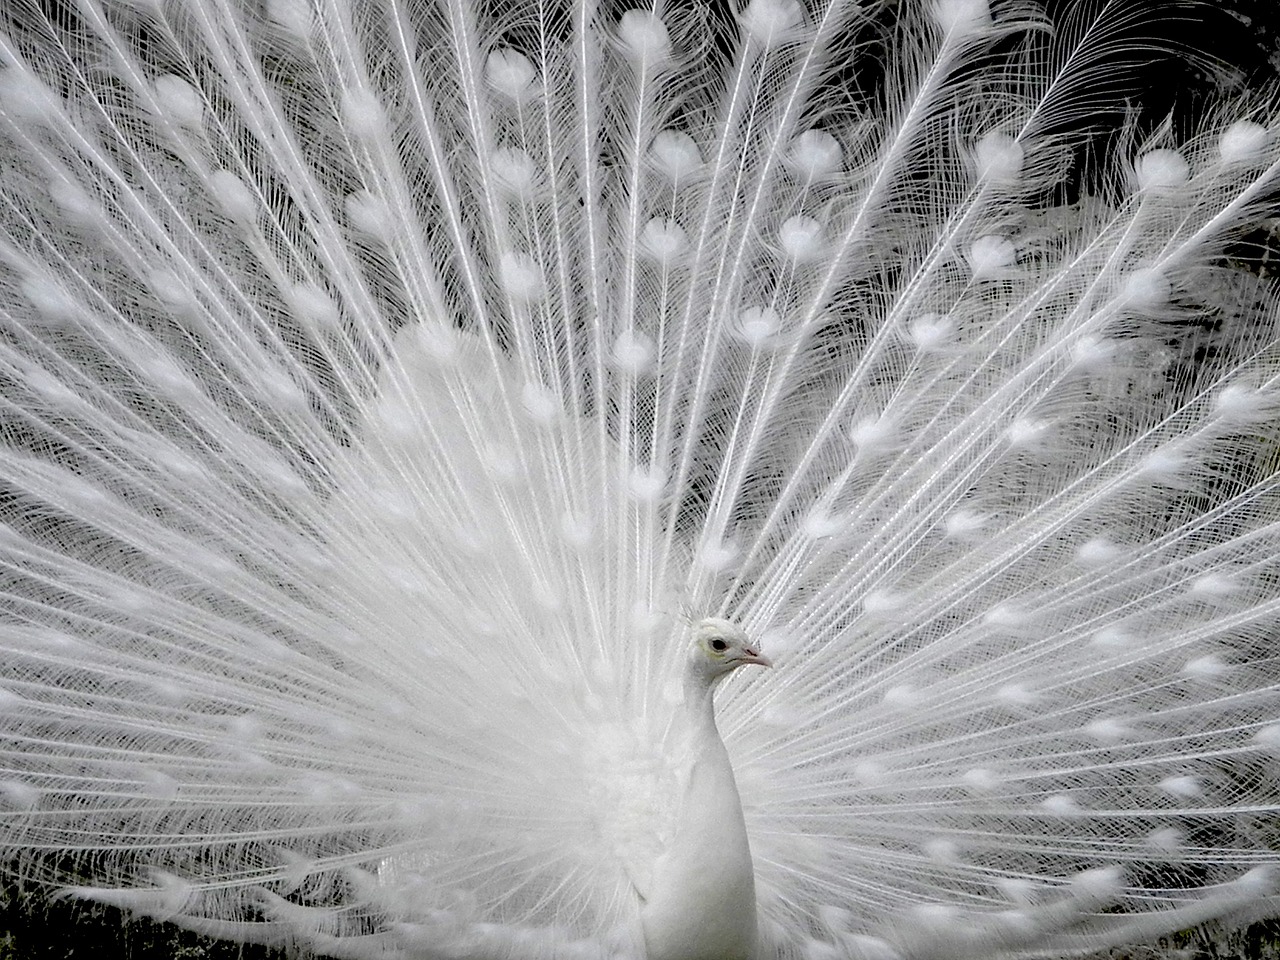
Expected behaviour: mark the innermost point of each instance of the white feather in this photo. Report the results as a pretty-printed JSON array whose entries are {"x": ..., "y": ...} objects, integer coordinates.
[{"x": 383, "y": 383}]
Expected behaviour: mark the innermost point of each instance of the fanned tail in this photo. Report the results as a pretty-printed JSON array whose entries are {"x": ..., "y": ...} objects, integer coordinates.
[{"x": 381, "y": 385}]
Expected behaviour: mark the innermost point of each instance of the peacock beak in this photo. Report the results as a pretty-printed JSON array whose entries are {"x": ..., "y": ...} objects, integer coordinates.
[{"x": 752, "y": 655}]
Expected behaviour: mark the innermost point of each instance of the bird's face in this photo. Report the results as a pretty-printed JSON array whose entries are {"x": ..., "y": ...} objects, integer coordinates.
[{"x": 720, "y": 646}]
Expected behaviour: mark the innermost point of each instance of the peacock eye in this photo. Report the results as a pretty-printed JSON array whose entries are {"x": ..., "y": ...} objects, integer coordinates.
[{"x": 718, "y": 644}]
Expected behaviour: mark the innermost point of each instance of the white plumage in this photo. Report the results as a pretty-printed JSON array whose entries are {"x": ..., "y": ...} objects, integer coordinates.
[
  {"x": 698, "y": 900},
  {"x": 386, "y": 387}
]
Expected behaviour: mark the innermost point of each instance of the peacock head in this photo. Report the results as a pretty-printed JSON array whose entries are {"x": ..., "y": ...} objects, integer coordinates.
[{"x": 719, "y": 648}]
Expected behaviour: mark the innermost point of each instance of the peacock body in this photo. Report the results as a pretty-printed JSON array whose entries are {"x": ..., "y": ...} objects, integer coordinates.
[{"x": 403, "y": 401}]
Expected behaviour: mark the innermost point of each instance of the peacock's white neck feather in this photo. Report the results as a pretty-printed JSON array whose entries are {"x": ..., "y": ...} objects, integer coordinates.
[{"x": 701, "y": 904}]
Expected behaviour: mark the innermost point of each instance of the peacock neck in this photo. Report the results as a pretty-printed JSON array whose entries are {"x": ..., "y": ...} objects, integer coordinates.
[
  {"x": 698, "y": 707},
  {"x": 702, "y": 905}
]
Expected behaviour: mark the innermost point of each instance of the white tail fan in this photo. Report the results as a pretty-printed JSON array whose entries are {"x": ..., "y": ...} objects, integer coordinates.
[{"x": 411, "y": 409}]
